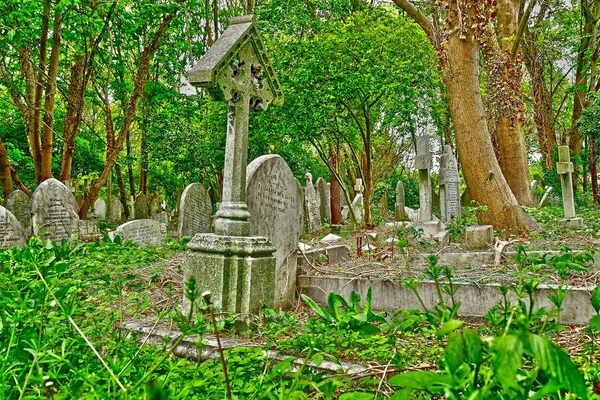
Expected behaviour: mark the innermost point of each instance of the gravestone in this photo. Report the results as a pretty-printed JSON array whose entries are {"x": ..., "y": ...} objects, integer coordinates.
[
  {"x": 11, "y": 232},
  {"x": 449, "y": 182},
  {"x": 564, "y": 168},
  {"x": 163, "y": 219},
  {"x": 423, "y": 163},
  {"x": 54, "y": 211},
  {"x": 195, "y": 210},
  {"x": 358, "y": 206},
  {"x": 277, "y": 213},
  {"x": 87, "y": 227},
  {"x": 141, "y": 206},
  {"x": 545, "y": 196},
  {"x": 116, "y": 209},
  {"x": 324, "y": 200},
  {"x": 534, "y": 186},
  {"x": 400, "y": 214},
  {"x": 238, "y": 269},
  {"x": 141, "y": 231},
  {"x": 17, "y": 202},
  {"x": 100, "y": 209},
  {"x": 312, "y": 203},
  {"x": 153, "y": 207}
]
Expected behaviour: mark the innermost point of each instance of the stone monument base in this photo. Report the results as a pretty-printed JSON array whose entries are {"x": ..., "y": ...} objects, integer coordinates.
[
  {"x": 572, "y": 223},
  {"x": 238, "y": 271}
]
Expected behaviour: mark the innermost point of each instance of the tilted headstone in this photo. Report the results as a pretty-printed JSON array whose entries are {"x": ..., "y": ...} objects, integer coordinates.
[
  {"x": 141, "y": 231},
  {"x": 195, "y": 210},
  {"x": 238, "y": 269},
  {"x": 277, "y": 213},
  {"x": 116, "y": 209},
  {"x": 141, "y": 206},
  {"x": 11, "y": 232},
  {"x": 564, "y": 168},
  {"x": 423, "y": 163},
  {"x": 545, "y": 196},
  {"x": 400, "y": 214},
  {"x": 449, "y": 182},
  {"x": 324, "y": 200},
  {"x": 17, "y": 202},
  {"x": 100, "y": 209},
  {"x": 54, "y": 211},
  {"x": 312, "y": 203}
]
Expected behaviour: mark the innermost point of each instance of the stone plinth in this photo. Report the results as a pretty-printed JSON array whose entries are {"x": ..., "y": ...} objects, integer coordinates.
[
  {"x": 238, "y": 271},
  {"x": 479, "y": 236},
  {"x": 572, "y": 223}
]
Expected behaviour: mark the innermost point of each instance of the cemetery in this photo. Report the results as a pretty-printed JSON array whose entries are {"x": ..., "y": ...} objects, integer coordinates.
[{"x": 298, "y": 200}]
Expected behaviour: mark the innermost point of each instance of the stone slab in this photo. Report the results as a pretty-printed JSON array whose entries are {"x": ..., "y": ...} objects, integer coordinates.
[
  {"x": 141, "y": 231},
  {"x": 572, "y": 223},
  {"x": 479, "y": 236}
]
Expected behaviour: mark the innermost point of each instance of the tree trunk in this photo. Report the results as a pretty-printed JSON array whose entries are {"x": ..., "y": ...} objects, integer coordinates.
[
  {"x": 482, "y": 172},
  {"x": 5, "y": 177},
  {"x": 335, "y": 200},
  {"x": 122, "y": 193},
  {"x": 132, "y": 191}
]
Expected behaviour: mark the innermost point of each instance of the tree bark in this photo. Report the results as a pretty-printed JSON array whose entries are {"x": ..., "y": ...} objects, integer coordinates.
[
  {"x": 335, "y": 199},
  {"x": 5, "y": 177},
  {"x": 122, "y": 193}
]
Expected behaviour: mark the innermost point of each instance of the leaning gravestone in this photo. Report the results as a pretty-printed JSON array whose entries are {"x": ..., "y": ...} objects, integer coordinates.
[
  {"x": 277, "y": 213},
  {"x": 325, "y": 200},
  {"x": 116, "y": 209},
  {"x": 195, "y": 210},
  {"x": 141, "y": 231},
  {"x": 312, "y": 203},
  {"x": 141, "y": 206},
  {"x": 53, "y": 209},
  {"x": 17, "y": 202},
  {"x": 400, "y": 214},
  {"x": 100, "y": 209},
  {"x": 564, "y": 168},
  {"x": 11, "y": 232}
]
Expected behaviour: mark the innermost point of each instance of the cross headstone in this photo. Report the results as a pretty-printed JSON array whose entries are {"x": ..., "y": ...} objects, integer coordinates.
[
  {"x": 325, "y": 200},
  {"x": 100, "y": 209},
  {"x": 312, "y": 203},
  {"x": 400, "y": 215},
  {"x": 564, "y": 168},
  {"x": 449, "y": 182},
  {"x": 17, "y": 202},
  {"x": 238, "y": 269},
  {"x": 195, "y": 212},
  {"x": 423, "y": 163},
  {"x": 54, "y": 211},
  {"x": 11, "y": 232},
  {"x": 277, "y": 212}
]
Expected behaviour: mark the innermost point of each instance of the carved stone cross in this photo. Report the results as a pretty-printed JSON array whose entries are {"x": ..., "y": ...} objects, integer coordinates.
[{"x": 236, "y": 69}]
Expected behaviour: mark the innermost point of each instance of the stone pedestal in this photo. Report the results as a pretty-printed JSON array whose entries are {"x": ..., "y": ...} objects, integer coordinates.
[
  {"x": 238, "y": 271},
  {"x": 479, "y": 236},
  {"x": 572, "y": 223}
]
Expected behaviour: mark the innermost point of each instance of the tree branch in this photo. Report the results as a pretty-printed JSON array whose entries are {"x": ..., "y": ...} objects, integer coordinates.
[
  {"x": 419, "y": 18},
  {"x": 521, "y": 29}
]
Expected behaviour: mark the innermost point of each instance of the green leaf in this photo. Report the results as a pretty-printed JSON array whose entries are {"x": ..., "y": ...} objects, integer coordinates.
[
  {"x": 368, "y": 299},
  {"x": 473, "y": 345},
  {"x": 321, "y": 312},
  {"x": 596, "y": 299},
  {"x": 595, "y": 323},
  {"x": 455, "y": 352},
  {"x": 355, "y": 301},
  {"x": 507, "y": 353},
  {"x": 449, "y": 326},
  {"x": 317, "y": 359},
  {"x": 356, "y": 396},
  {"x": 368, "y": 329},
  {"x": 421, "y": 380},
  {"x": 557, "y": 364}
]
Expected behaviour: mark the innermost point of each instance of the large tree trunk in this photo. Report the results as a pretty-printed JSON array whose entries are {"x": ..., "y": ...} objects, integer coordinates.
[
  {"x": 482, "y": 173},
  {"x": 503, "y": 74},
  {"x": 5, "y": 177}
]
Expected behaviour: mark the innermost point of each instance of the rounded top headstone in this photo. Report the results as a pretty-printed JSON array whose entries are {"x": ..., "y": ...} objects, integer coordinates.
[
  {"x": 195, "y": 210},
  {"x": 11, "y": 232},
  {"x": 53, "y": 209}
]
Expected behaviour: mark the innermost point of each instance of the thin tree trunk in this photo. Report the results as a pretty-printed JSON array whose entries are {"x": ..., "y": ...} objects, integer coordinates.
[
  {"x": 122, "y": 193},
  {"x": 17, "y": 180},
  {"x": 336, "y": 210},
  {"x": 5, "y": 176},
  {"x": 73, "y": 116},
  {"x": 132, "y": 191}
]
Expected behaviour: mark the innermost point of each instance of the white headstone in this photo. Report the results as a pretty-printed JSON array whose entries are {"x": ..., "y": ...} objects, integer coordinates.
[
  {"x": 277, "y": 213},
  {"x": 449, "y": 182},
  {"x": 53, "y": 210},
  {"x": 11, "y": 232},
  {"x": 17, "y": 202},
  {"x": 324, "y": 200},
  {"x": 141, "y": 231},
  {"x": 195, "y": 210},
  {"x": 312, "y": 203},
  {"x": 358, "y": 206},
  {"x": 423, "y": 163},
  {"x": 100, "y": 209}
]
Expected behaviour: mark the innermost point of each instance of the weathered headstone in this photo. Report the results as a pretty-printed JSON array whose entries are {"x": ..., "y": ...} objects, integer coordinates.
[
  {"x": 17, "y": 202},
  {"x": 277, "y": 213},
  {"x": 312, "y": 203},
  {"x": 100, "y": 209},
  {"x": 163, "y": 219},
  {"x": 141, "y": 206},
  {"x": 116, "y": 209},
  {"x": 153, "y": 206},
  {"x": 400, "y": 214},
  {"x": 564, "y": 168},
  {"x": 11, "y": 232},
  {"x": 53, "y": 209},
  {"x": 141, "y": 231},
  {"x": 324, "y": 200},
  {"x": 238, "y": 269},
  {"x": 423, "y": 163},
  {"x": 87, "y": 227},
  {"x": 449, "y": 182},
  {"x": 195, "y": 210},
  {"x": 534, "y": 185},
  {"x": 479, "y": 236}
]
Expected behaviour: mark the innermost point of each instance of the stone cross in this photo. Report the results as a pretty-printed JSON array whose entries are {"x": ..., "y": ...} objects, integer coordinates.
[
  {"x": 236, "y": 69},
  {"x": 358, "y": 186},
  {"x": 423, "y": 162},
  {"x": 163, "y": 205},
  {"x": 564, "y": 168}
]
